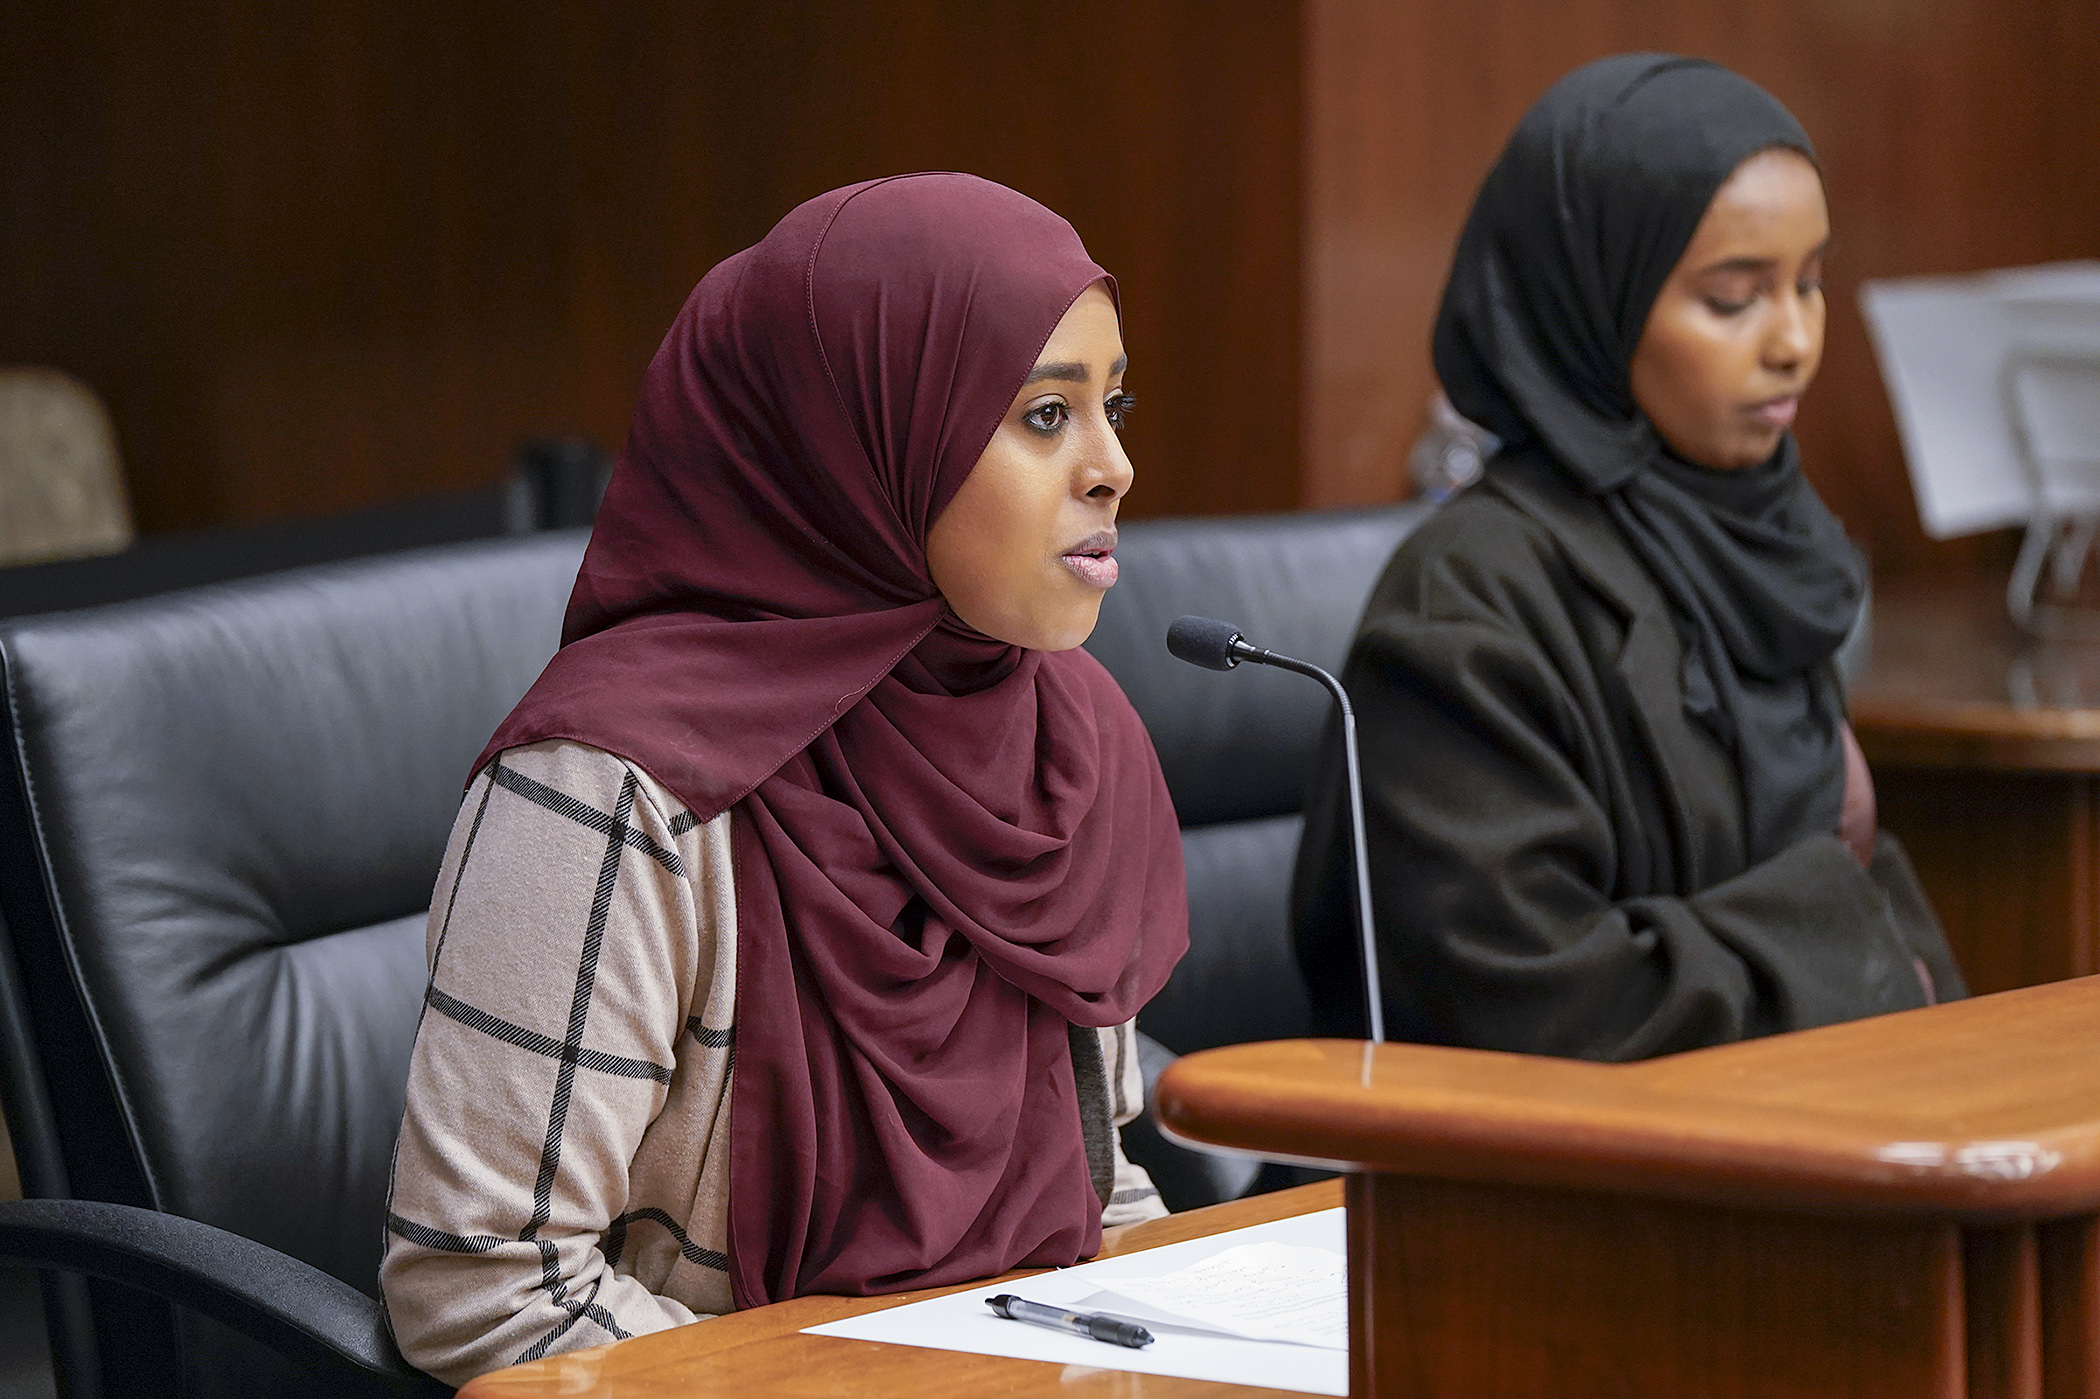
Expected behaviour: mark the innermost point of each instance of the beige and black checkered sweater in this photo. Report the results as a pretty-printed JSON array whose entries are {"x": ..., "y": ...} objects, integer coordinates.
[{"x": 562, "y": 1174}]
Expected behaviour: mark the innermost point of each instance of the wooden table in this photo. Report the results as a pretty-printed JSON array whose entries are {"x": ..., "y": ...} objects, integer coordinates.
[
  {"x": 1985, "y": 746},
  {"x": 761, "y": 1352},
  {"x": 1899, "y": 1208}
]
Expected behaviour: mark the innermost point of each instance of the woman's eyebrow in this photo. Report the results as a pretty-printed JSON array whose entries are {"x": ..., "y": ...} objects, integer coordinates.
[
  {"x": 1756, "y": 265},
  {"x": 1740, "y": 265},
  {"x": 1071, "y": 371}
]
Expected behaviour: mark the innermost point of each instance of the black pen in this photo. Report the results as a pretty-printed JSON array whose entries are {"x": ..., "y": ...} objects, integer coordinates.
[{"x": 1092, "y": 1324}]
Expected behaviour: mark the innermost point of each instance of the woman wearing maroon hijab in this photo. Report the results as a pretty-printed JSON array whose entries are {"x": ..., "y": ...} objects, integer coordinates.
[{"x": 791, "y": 930}]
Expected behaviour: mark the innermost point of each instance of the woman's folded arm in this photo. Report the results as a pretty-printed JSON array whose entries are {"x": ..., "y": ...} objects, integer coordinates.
[
  {"x": 1494, "y": 860},
  {"x": 563, "y": 964}
]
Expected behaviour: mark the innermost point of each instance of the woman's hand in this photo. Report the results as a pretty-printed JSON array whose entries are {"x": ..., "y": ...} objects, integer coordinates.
[
  {"x": 1856, "y": 827},
  {"x": 1857, "y": 824}
]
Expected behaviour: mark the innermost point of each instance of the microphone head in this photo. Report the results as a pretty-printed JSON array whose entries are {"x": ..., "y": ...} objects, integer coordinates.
[{"x": 1204, "y": 641}]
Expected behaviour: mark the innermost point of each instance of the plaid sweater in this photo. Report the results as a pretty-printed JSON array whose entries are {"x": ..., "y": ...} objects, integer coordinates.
[{"x": 562, "y": 1174}]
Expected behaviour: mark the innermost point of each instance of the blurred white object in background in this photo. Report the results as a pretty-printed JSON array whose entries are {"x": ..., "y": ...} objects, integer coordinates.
[
  {"x": 61, "y": 488},
  {"x": 1451, "y": 452},
  {"x": 1995, "y": 382},
  {"x": 1944, "y": 344}
]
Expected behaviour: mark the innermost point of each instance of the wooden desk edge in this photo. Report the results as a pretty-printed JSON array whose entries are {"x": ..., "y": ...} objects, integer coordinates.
[
  {"x": 1896, "y": 732},
  {"x": 1938, "y": 689},
  {"x": 562, "y": 1374},
  {"x": 1508, "y": 1119}
]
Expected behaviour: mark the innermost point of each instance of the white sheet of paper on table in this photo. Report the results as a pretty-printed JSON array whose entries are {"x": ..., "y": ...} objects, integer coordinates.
[
  {"x": 962, "y": 1322},
  {"x": 1265, "y": 1292}
]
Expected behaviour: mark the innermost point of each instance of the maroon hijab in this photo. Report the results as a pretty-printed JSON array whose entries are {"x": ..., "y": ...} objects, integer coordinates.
[{"x": 948, "y": 850}]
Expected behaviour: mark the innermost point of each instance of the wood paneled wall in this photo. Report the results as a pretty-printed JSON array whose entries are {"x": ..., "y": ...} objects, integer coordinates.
[
  {"x": 321, "y": 253},
  {"x": 1954, "y": 135},
  {"x": 326, "y": 253}
]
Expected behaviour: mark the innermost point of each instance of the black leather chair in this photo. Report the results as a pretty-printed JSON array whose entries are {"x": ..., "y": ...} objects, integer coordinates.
[
  {"x": 1237, "y": 750},
  {"x": 221, "y": 814}
]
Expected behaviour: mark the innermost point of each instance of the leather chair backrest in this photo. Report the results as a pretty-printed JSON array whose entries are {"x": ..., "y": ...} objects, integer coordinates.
[
  {"x": 227, "y": 808},
  {"x": 1237, "y": 748}
]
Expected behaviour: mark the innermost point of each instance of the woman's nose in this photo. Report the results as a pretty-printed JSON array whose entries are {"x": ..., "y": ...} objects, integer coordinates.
[
  {"x": 1793, "y": 338},
  {"x": 1111, "y": 474}
]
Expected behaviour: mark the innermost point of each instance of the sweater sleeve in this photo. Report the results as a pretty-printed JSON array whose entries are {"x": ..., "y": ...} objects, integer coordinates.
[
  {"x": 1133, "y": 1198},
  {"x": 563, "y": 955},
  {"x": 1488, "y": 768}
]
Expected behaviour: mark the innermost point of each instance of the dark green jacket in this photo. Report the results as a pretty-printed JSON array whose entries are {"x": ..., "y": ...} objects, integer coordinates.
[{"x": 1557, "y": 851}]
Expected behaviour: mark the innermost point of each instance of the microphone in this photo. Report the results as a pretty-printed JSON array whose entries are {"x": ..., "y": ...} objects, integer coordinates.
[
  {"x": 1206, "y": 642},
  {"x": 1215, "y": 645}
]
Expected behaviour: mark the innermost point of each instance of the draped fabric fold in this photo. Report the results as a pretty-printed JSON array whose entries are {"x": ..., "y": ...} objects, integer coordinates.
[
  {"x": 948, "y": 850},
  {"x": 1576, "y": 229}
]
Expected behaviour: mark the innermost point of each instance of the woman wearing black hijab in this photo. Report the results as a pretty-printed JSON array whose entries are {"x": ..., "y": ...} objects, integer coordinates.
[{"x": 1616, "y": 809}]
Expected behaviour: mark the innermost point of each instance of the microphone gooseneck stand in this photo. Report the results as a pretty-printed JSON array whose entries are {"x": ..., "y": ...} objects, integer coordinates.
[{"x": 1215, "y": 645}]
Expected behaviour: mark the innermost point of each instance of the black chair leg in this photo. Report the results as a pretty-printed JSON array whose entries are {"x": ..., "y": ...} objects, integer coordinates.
[
  {"x": 135, "y": 1343},
  {"x": 76, "y": 1366}
]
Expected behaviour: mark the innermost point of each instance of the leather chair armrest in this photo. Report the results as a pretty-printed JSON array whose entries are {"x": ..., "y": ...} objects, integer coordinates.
[{"x": 292, "y": 1307}]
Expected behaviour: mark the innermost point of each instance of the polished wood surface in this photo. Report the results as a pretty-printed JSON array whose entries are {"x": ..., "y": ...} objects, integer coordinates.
[
  {"x": 2010, "y": 862},
  {"x": 761, "y": 1351},
  {"x": 1985, "y": 747},
  {"x": 1497, "y": 1293},
  {"x": 1982, "y": 1109},
  {"x": 1954, "y": 136},
  {"x": 1951, "y": 683},
  {"x": 1898, "y": 1207}
]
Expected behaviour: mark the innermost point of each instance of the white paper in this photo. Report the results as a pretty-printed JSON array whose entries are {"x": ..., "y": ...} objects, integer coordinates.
[
  {"x": 962, "y": 1322},
  {"x": 1265, "y": 1291},
  {"x": 1944, "y": 344}
]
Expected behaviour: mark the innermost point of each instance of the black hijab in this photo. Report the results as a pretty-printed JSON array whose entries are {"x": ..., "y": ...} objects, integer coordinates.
[{"x": 1577, "y": 227}]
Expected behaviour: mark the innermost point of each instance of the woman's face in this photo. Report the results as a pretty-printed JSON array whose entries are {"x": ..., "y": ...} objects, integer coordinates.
[
  {"x": 1022, "y": 553},
  {"x": 1737, "y": 332}
]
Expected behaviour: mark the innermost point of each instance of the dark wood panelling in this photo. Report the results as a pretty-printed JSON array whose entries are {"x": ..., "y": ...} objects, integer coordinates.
[
  {"x": 1483, "y": 1292},
  {"x": 2069, "y": 1252},
  {"x": 2002, "y": 1299},
  {"x": 1985, "y": 745},
  {"x": 2007, "y": 860},
  {"x": 330, "y": 253},
  {"x": 1955, "y": 135}
]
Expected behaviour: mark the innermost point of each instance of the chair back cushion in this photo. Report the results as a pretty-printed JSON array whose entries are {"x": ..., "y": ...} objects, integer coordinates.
[
  {"x": 227, "y": 807},
  {"x": 1237, "y": 746}
]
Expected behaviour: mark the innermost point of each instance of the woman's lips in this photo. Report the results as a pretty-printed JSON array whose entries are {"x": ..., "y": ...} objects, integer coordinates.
[
  {"x": 1094, "y": 570},
  {"x": 1777, "y": 412}
]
